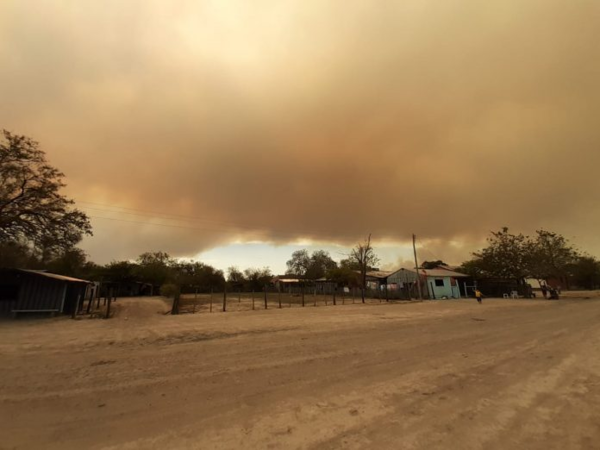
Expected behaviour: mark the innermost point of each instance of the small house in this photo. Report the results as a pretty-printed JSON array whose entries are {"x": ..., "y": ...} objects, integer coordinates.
[{"x": 435, "y": 283}]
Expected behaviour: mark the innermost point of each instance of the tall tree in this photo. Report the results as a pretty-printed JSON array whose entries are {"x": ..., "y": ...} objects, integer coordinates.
[
  {"x": 299, "y": 264},
  {"x": 550, "y": 256},
  {"x": 72, "y": 262},
  {"x": 235, "y": 276},
  {"x": 319, "y": 265},
  {"x": 258, "y": 278},
  {"x": 32, "y": 209},
  {"x": 507, "y": 255},
  {"x": 585, "y": 272},
  {"x": 155, "y": 268},
  {"x": 310, "y": 266},
  {"x": 363, "y": 256}
]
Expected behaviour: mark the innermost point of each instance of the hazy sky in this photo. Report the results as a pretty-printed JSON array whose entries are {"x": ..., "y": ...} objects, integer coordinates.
[{"x": 220, "y": 123}]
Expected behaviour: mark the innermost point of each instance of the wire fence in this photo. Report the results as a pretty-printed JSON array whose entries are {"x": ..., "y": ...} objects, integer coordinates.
[{"x": 270, "y": 298}]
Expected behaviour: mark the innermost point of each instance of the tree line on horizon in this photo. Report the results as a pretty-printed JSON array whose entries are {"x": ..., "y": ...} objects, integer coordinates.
[{"x": 40, "y": 229}]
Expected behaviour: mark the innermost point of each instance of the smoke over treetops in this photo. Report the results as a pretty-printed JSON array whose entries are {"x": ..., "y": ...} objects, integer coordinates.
[{"x": 319, "y": 120}]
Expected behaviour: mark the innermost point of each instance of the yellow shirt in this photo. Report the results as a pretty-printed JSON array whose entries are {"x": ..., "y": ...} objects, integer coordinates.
[{"x": 477, "y": 293}]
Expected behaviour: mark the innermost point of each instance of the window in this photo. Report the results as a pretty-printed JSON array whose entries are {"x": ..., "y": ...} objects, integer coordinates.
[{"x": 439, "y": 282}]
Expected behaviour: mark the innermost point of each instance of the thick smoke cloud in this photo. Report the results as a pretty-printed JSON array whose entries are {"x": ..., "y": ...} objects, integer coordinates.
[{"x": 319, "y": 120}]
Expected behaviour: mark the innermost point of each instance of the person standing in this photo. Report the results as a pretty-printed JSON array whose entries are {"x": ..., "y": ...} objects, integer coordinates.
[{"x": 478, "y": 295}]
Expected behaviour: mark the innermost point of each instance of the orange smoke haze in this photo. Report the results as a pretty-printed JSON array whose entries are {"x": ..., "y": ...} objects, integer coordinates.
[{"x": 322, "y": 120}]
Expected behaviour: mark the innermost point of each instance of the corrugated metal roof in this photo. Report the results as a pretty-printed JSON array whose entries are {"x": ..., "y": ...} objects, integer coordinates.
[
  {"x": 436, "y": 273},
  {"x": 54, "y": 276},
  {"x": 443, "y": 273},
  {"x": 379, "y": 274}
]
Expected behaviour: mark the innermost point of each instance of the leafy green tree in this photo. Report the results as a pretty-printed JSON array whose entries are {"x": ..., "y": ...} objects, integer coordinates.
[
  {"x": 310, "y": 266},
  {"x": 349, "y": 264},
  {"x": 155, "y": 268},
  {"x": 506, "y": 256},
  {"x": 319, "y": 265},
  {"x": 585, "y": 272},
  {"x": 344, "y": 276},
  {"x": 120, "y": 272},
  {"x": 257, "y": 278},
  {"x": 550, "y": 255},
  {"x": 72, "y": 262},
  {"x": 299, "y": 264},
  {"x": 192, "y": 275},
  {"x": 33, "y": 212},
  {"x": 235, "y": 276},
  {"x": 17, "y": 255}
]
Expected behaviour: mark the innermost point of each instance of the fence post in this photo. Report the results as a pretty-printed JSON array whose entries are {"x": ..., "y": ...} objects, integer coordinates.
[
  {"x": 265, "y": 289},
  {"x": 334, "y": 292},
  {"x": 252, "y": 299},
  {"x": 279, "y": 297},
  {"x": 211, "y": 296},
  {"x": 302, "y": 287},
  {"x": 108, "y": 305},
  {"x": 91, "y": 302},
  {"x": 225, "y": 298}
]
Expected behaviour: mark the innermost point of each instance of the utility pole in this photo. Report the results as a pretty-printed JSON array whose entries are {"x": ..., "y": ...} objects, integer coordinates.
[{"x": 417, "y": 267}]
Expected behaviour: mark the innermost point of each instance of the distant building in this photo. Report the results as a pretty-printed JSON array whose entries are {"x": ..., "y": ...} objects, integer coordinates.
[
  {"x": 287, "y": 283},
  {"x": 377, "y": 279},
  {"x": 435, "y": 283},
  {"x": 38, "y": 291}
]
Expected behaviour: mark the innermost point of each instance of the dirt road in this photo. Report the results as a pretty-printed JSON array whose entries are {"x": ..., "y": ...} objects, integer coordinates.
[{"x": 453, "y": 374}]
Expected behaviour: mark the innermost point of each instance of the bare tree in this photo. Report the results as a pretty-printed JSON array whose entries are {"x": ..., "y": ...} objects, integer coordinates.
[{"x": 363, "y": 256}]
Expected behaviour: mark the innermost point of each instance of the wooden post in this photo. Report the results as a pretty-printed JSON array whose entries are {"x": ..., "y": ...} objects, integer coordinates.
[
  {"x": 387, "y": 298},
  {"x": 252, "y": 299},
  {"x": 315, "y": 296},
  {"x": 334, "y": 291},
  {"x": 239, "y": 295},
  {"x": 175, "y": 307},
  {"x": 265, "y": 289},
  {"x": 91, "y": 301},
  {"x": 211, "y": 296},
  {"x": 352, "y": 293},
  {"x": 98, "y": 296},
  {"x": 224, "y": 298},
  {"x": 302, "y": 287},
  {"x": 417, "y": 267},
  {"x": 279, "y": 298},
  {"x": 108, "y": 305},
  {"x": 75, "y": 307}
]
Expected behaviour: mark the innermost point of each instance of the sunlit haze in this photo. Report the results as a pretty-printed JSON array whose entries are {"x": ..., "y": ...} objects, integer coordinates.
[{"x": 235, "y": 132}]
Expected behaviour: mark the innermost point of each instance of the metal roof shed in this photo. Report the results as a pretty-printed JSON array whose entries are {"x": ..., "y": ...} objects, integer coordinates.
[{"x": 38, "y": 291}]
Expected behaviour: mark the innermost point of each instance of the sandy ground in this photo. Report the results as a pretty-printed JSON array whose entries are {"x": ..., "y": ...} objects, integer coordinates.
[{"x": 522, "y": 374}]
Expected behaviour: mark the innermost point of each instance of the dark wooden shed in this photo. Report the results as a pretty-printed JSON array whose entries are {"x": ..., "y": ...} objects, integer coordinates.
[{"x": 38, "y": 291}]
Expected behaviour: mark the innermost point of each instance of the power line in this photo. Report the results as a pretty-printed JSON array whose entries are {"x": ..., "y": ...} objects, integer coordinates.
[
  {"x": 257, "y": 230},
  {"x": 213, "y": 225}
]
